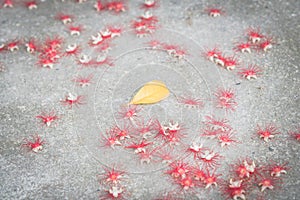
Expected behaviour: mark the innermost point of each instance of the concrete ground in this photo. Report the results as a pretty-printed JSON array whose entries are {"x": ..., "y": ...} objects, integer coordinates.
[{"x": 72, "y": 158}]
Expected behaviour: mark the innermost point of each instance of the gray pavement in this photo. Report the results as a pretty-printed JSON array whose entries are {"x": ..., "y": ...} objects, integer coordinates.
[{"x": 72, "y": 158}]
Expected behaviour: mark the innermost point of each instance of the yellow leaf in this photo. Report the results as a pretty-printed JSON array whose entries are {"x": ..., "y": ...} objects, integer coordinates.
[{"x": 151, "y": 92}]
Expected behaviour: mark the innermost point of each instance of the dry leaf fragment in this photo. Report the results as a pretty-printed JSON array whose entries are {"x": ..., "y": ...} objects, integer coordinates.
[{"x": 151, "y": 92}]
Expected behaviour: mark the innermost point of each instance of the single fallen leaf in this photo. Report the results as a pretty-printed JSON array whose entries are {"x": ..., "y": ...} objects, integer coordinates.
[{"x": 151, "y": 92}]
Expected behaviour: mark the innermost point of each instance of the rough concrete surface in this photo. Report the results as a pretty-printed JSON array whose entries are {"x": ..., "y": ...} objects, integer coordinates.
[{"x": 72, "y": 158}]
